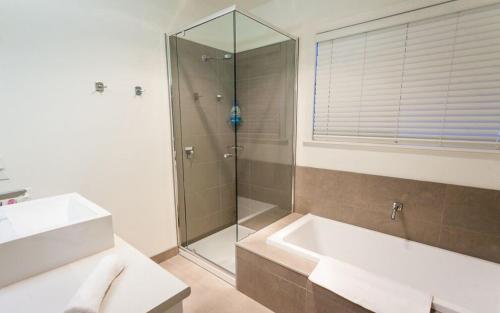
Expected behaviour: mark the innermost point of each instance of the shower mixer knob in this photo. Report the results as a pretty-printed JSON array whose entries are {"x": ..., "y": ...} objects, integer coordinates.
[{"x": 189, "y": 151}]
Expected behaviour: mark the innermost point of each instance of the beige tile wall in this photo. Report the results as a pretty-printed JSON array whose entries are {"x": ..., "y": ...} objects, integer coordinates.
[
  {"x": 457, "y": 218},
  {"x": 266, "y": 182},
  {"x": 207, "y": 185},
  {"x": 264, "y": 86}
]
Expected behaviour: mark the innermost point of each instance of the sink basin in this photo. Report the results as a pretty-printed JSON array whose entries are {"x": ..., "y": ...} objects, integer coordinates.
[{"x": 40, "y": 235}]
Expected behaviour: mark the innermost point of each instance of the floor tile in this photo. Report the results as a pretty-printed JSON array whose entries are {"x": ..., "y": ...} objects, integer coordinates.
[{"x": 210, "y": 294}]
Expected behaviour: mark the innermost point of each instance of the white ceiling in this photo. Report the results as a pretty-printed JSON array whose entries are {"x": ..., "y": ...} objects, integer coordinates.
[{"x": 299, "y": 17}]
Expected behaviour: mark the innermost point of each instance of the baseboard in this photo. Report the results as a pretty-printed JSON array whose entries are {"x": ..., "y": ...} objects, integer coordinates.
[{"x": 165, "y": 255}]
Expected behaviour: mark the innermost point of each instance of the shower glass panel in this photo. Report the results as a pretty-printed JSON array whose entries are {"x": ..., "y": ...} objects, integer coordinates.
[
  {"x": 232, "y": 98},
  {"x": 265, "y": 84},
  {"x": 204, "y": 138}
]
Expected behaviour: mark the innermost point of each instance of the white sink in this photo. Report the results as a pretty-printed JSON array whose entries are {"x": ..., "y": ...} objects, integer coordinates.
[{"x": 40, "y": 235}]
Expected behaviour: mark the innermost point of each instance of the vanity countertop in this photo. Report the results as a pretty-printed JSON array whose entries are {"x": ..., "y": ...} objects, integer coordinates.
[{"x": 143, "y": 286}]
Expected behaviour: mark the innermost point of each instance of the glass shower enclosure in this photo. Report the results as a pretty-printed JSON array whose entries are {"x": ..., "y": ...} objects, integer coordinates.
[{"x": 232, "y": 92}]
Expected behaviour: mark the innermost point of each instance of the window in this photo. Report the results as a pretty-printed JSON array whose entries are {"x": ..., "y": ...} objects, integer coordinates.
[{"x": 434, "y": 82}]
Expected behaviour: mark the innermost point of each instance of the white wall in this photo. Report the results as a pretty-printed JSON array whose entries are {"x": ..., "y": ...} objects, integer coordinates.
[
  {"x": 58, "y": 136},
  {"x": 304, "y": 19}
]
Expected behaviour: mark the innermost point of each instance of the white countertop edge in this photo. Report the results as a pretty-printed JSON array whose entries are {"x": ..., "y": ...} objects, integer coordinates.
[{"x": 143, "y": 286}]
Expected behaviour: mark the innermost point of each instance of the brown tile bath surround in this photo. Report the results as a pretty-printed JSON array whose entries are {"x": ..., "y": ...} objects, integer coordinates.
[
  {"x": 285, "y": 291},
  {"x": 279, "y": 279},
  {"x": 257, "y": 280},
  {"x": 321, "y": 300},
  {"x": 457, "y": 218},
  {"x": 473, "y": 209},
  {"x": 260, "y": 275}
]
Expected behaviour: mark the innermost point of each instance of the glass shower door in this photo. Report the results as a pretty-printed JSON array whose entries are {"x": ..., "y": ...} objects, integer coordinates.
[
  {"x": 203, "y": 62},
  {"x": 233, "y": 105}
]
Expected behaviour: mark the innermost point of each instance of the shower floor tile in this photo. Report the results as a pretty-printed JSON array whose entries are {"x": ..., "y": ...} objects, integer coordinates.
[{"x": 220, "y": 247}]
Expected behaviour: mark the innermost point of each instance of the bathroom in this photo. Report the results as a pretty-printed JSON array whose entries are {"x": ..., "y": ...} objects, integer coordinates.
[{"x": 250, "y": 156}]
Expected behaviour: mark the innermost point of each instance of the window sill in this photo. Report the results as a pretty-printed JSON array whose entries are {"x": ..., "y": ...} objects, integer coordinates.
[{"x": 439, "y": 151}]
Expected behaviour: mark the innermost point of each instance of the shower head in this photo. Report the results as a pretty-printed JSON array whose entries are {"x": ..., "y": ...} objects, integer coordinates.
[{"x": 206, "y": 58}]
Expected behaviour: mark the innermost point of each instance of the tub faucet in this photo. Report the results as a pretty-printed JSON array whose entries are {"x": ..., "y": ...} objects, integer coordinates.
[{"x": 396, "y": 207}]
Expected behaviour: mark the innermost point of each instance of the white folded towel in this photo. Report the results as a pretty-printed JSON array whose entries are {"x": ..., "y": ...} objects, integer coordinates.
[
  {"x": 3, "y": 216},
  {"x": 89, "y": 296},
  {"x": 373, "y": 292}
]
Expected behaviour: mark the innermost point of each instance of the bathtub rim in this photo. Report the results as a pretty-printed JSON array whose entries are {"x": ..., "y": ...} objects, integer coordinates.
[{"x": 278, "y": 239}]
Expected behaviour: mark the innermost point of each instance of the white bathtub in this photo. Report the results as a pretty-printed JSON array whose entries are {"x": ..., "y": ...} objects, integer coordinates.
[{"x": 458, "y": 283}]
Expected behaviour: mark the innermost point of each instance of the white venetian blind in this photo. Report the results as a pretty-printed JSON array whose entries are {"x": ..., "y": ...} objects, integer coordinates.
[{"x": 434, "y": 82}]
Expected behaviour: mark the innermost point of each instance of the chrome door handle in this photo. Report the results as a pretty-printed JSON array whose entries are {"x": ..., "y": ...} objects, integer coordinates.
[
  {"x": 235, "y": 147},
  {"x": 228, "y": 155}
]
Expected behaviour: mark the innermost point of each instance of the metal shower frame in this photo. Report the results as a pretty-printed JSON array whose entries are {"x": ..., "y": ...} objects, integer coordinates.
[{"x": 193, "y": 256}]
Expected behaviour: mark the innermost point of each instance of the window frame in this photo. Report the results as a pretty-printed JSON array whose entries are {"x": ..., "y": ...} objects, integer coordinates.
[{"x": 384, "y": 19}]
